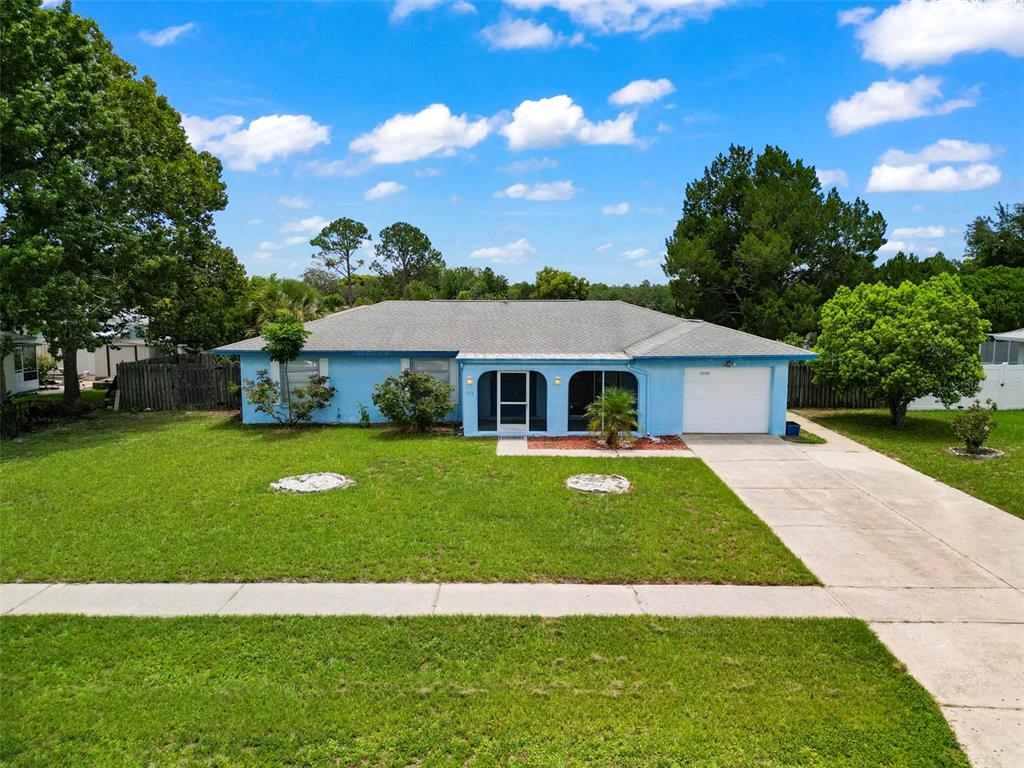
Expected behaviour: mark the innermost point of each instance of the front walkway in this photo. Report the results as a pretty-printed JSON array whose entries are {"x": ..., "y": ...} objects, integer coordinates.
[
  {"x": 936, "y": 573},
  {"x": 407, "y": 599}
]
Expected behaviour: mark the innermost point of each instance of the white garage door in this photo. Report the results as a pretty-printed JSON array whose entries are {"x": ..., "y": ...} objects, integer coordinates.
[{"x": 723, "y": 399}]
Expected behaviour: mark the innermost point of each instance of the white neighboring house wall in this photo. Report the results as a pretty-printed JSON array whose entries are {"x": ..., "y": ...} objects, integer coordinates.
[{"x": 1003, "y": 360}]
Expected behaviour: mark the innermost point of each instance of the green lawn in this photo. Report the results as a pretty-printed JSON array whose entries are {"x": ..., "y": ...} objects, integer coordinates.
[
  {"x": 460, "y": 691},
  {"x": 93, "y": 397},
  {"x": 923, "y": 444},
  {"x": 176, "y": 497}
]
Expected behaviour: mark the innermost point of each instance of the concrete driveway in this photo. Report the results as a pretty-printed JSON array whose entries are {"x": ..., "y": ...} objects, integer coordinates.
[{"x": 938, "y": 574}]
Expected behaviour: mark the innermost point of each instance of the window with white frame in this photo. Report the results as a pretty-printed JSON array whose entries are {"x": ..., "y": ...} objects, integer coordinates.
[
  {"x": 25, "y": 363},
  {"x": 437, "y": 368},
  {"x": 299, "y": 374}
]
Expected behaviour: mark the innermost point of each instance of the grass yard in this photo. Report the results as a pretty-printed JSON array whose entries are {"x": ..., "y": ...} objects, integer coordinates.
[
  {"x": 923, "y": 443},
  {"x": 461, "y": 691},
  {"x": 177, "y": 497}
]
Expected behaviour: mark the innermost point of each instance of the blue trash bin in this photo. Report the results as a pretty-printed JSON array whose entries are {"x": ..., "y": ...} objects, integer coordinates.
[{"x": 792, "y": 429}]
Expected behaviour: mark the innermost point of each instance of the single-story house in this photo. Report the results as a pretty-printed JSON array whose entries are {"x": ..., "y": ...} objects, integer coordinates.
[
  {"x": 532, "y": 367},
  {"x": 1002, "y": 357}
]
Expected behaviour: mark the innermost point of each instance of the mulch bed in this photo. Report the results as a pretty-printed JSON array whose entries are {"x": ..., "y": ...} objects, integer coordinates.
[{"x": 665, "y": 443}]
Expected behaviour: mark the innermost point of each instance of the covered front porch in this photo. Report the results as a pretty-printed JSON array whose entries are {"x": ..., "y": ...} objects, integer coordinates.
[{"x": 531, "y": 397}]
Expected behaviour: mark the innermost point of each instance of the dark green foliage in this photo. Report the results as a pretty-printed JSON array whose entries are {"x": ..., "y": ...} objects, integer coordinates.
[
  {"x": 759, "y": 246},
  {"x": 472, "y": 283},
  {"x": 338, "y": 243},
  {"x": 999, "y": 292},
  {"x": 904, "y": 266},
  {"x": 998, "y": 242},
  {"x": 612, "y": 415},
  {"x": 554, "y": 283},
  {"x": 265, "y": 396},
  {"x": 404, "y": 254},
  {"x": 658, "y": 297},
  {"x": 974, "y": 424},
  {"x": 413, "y": 401}
]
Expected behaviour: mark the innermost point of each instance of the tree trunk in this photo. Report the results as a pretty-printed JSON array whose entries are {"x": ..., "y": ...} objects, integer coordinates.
[
  {"x": 349, "y": 292},
  {"x": 72, "y": 389},
  {"x": 898, "y": 411}
]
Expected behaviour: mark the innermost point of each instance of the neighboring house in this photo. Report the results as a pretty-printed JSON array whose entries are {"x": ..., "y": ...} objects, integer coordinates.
[
  {"x": 21, "y": 373},
  {"x": 532, "y": 367},
  {"x": 125, "y": 347},
  {"x": 1002, "y": 357}
]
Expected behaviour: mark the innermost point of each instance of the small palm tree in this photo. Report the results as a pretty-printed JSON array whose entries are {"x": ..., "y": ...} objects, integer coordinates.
[{"x": 611, "y": 414}]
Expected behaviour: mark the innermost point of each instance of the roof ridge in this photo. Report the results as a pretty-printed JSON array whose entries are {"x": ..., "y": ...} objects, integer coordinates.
[{"x": 655, "y": 340}]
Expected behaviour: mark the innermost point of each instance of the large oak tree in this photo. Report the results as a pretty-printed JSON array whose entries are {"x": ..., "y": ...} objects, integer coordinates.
[{"x": 108, "y": 209}]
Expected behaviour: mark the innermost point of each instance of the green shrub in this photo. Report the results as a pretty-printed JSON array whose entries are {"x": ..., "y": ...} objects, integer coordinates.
[
  {"x": 612, "y": 414},
  {"x": 413, "y": 400},
  {"x": 264, "y": 394},
  {"x": 974, "y": 424},
  {"x": 364, "y": 416}
]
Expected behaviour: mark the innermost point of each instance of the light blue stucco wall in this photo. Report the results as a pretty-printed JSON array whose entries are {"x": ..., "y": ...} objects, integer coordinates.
[
  {"x": 352, "y": 376},
  {"x": 660, "y": 384}
]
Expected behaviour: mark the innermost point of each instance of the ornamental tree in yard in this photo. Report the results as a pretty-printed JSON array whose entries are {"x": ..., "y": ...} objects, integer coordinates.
[{"x": 902, "y": 343}]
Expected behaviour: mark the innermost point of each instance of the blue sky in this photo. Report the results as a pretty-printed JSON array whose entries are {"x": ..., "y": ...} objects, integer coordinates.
[{"x": 506, "y": 131}]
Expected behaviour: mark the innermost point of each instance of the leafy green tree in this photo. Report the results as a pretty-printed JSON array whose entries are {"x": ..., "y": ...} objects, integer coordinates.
[
  {"x": 102, "y": 194},
  {"x": 338, "y": 243},
  {"x": 613, "y": 414},
  {"x": 271, "y": 296},
  {"x": 999, "y": 292},
  {"x": 907, "y": 266},
  {"x": 321, "y": 280},
  {"x": 413, "y": 400},
  {"x": 902, "y": 343},
  {"x": 472, "y": 283},
  {"x": 521, "y": 291},
  {"x": 554, "y": 283},
  {"x": 998, "y": 242},
  {"x": 404, "y": 254},
  {"x": 758, "y": 237}
]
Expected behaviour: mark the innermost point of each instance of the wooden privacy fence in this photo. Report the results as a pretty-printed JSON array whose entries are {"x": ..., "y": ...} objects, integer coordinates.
[
  {"x": 173, "y": 382},
  {"x": 804, "y": 393}
]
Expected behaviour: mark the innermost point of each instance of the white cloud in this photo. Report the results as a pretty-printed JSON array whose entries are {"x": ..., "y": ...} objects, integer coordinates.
[
  {"x": 887, "y": 101},
  {"x": 167, "y": 36},
  {"x": 519, "y": 34},
  {"x": 541, "y": 192},
  {"x": 635, "y": 254},
  {"x": 311, "y": 225},
  {"x": 519, "y": 167},
  {"x": 834, "y": 177},
  {"x": 900, "y": 171},
  {"x": 618, "y": 16},
  {"x": 510, "y": 253},
  {"x": 405, "y": 8},
  {"x": 664, "y": 128},
  {"x": 461, "y": 6},
  {"x": 929, "y": 232},
  {"x": 383, "y": 189},
  {"x": 267, "y": 138},
  {"x": 294, "y": 201},
  {"x": 855, "y": 16},
  {"x": 434, "y": 130},
  {"x": 254, "y": 222},
  {"x": 619, "y": 209},
  {"x": 894, "y": 246},
  {"x": 427, "y": 173},
  {"x": 556, "y": 120},
  {"x": 942, "y": 151},
  {"x": 919, "y": 32},
  {"x": 642, "y": 92},
  {"x": 271, "y": 246},
  {"x": 605, "y": 248}
]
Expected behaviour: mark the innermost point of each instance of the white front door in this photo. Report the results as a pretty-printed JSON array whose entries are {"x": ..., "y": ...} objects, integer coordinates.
[
  {"x": 720, "y": 399},
  {"x": 513, "y": 401}
]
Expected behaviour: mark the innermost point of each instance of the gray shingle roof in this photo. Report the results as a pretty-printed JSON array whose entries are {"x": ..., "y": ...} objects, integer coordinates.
[{"x": 525, "y": 329}]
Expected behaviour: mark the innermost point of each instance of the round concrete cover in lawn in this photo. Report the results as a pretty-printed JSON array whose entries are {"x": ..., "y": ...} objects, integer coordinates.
[
  {"x": 598, "y": 483},
  {"x": 313, "y": 483}
]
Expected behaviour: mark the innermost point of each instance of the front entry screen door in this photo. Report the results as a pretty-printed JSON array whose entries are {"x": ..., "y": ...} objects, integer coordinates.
[{"x": 513, "y": 401}]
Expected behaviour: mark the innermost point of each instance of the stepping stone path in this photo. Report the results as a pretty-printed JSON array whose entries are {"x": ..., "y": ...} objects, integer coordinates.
[
  {"x": 313, "y": 483},
  {"x": 598, "y": 483}
]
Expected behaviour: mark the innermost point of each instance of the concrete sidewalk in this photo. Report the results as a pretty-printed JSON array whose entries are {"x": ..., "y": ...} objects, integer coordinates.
[
  {"x": 408, "y": 599},
  {"x": 938, "y": 574}
]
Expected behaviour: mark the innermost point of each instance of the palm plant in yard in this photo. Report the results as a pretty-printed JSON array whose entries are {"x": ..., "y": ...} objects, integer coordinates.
[{"x": 612, "y": 414}]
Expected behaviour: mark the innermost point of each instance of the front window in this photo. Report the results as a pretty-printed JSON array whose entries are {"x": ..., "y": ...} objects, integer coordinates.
[
  {"x": 586, "y": 386},
  {"x": 25, "y": 363},
  {"x": 437, "y": 368},
  {"x": 299, "y": 374}
]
